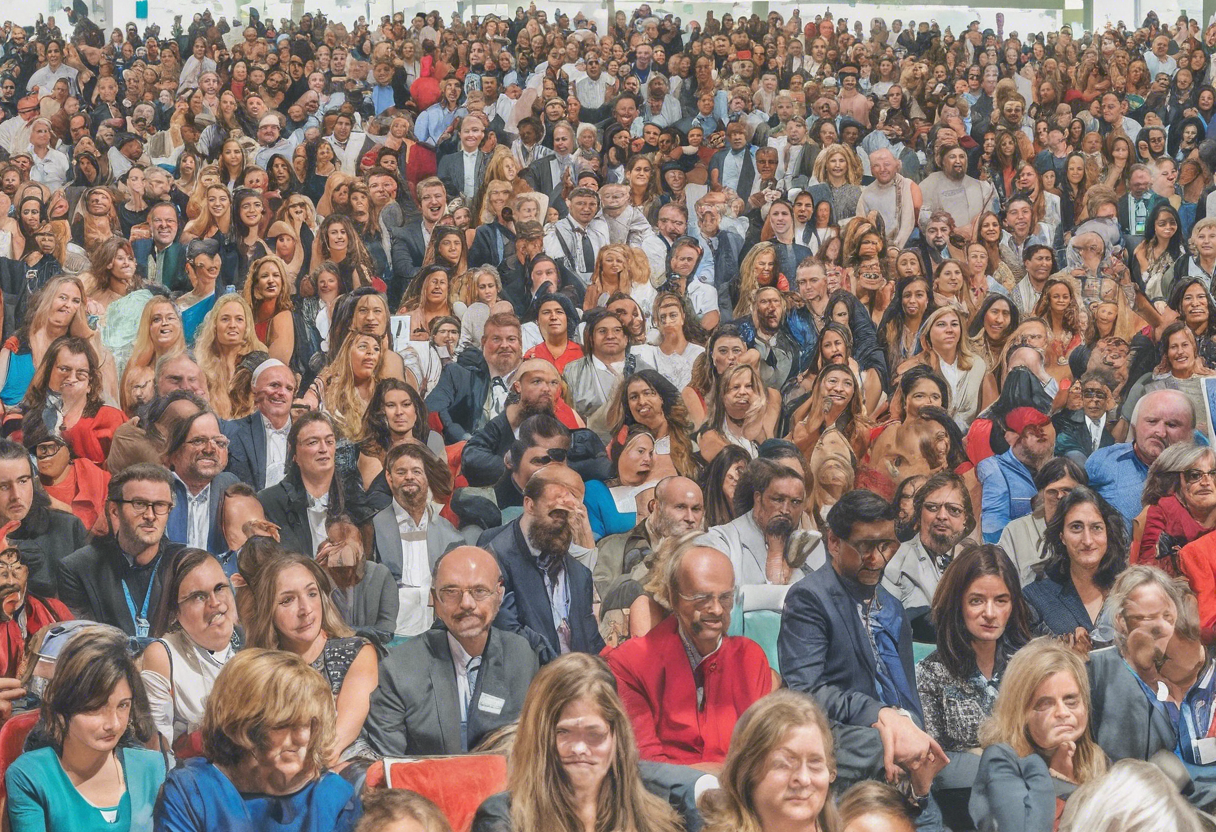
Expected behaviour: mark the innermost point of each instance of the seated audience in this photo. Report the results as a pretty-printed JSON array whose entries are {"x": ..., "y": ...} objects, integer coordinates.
[
  {"x": 196, "y": 454},
  {"x": 24, "y": 612},
  {"x": 1022, "y": 539}
]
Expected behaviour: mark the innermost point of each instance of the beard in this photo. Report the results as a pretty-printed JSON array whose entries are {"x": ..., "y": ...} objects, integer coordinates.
[
  {"x": 535, "y": 408},
  {"x": 779, "y": 526},
  {"x": 552, "y": 541},
  {"x": 942, "y": 542}
]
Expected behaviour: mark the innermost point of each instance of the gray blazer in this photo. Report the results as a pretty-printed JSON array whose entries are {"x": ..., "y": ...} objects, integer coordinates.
[
  {"x": 415, "y": 709},
  {"x": 743, "y": 541},
  {"x": 1124, "y": 723},
  {"x": 372, "y": 603},
  {"x": 440, "y": 537}
]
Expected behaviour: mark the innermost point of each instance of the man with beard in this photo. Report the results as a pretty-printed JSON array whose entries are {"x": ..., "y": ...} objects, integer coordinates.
[
  {"x": 197, "y": 455},
  {"x": 549, "y": 594},
  {"x": 472, "y": 390},
  {"x": 415, "y": 710},
  {"x": 890, "y": 194},
  {"x": 686, "y": 682},
  {"x": 117, "y": 578},
  {"x": 950, "y": 189},
  {"x": 1008, "y": 479},
  {"x": 257, "y": 444},
  {"x": 769, "y": 500},
  {"x": 623, "y": 561},
  {"x": 630, "y": 314},
  {"x": 765, "y": 334},
  {"x": 24, "y": 614},
  {"x": 846, "y": 641},
  {"x": 410, "y": 535},
  {"x": 942, "y": 517},
  {"x": 535, "y": 390}
]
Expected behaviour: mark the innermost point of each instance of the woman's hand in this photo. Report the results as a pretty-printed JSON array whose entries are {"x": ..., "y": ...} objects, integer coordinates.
[{"x": 1062, "y": 761}]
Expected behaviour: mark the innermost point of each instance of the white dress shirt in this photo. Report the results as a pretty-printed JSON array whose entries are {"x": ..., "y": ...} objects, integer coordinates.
[
  {"x": 470, "y": 173},
  {"x": 1095, "y": 430},
  {"x": 317, "y": 509},
  {"x": 198, "y": 516},
  {"x": 276, "y": 451},
  {"x": 414, "y": 615}
]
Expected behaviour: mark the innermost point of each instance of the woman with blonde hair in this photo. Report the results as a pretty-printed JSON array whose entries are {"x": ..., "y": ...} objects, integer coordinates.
[
  {"x": 345, "y": 387},
  {"x": 160, "y": 333},
  {"x": 267, "y": 290},
  {"x": 298, "y": 211},
  {"x": 215, "y": 221},
  {"x": 284, "y": 242},
  {"x": 503, "y": 167},
  {"x": 1133, "y": 796},
  {"x": 616, "y": 271},
  {"x": 838, "y": 167},
  {"x": 197, "y": 206},
  {"x": 268, "y": 732},
  {"x": 336, "y": 197},
  {"x": 488, "y": 240},
  {"x": 225, "y": 336},
  {"x": 947, "y": 351},
  {"x": 759, "y": 268},
  {"x": 96, "y": 218},
  {"x": 574, "y": 767},
  {"x": 782, "y": 744},
  {"x": 1037, "y": 744}
]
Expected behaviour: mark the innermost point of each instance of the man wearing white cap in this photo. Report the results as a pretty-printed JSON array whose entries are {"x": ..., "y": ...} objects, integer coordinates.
[
  {"x": 257, "y": 451},
  {"x": 270, "y": 141}
]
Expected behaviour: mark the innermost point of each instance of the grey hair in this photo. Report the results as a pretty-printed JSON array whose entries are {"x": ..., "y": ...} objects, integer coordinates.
[
  {"x": 1163, "y": 478},
  {"x": 668, "y": 556},
  {"x": 1177, "y": 395},
  {"x": 1179, "y": 592},
  {"x": 1133, "y": 796}
]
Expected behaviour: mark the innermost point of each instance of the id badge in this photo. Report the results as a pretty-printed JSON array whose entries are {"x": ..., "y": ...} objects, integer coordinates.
[
  {"x": 1205, "y": 751},
  {"x": 142, "y": 628}
]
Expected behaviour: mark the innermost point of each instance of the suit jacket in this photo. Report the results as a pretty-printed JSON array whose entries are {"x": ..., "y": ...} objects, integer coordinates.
[
  {"x": 178, "y": 527},
  {"x": 408, "y": 247},
  {"x": 1072, "y": 433},
  {"x": 824, "y": 649},
  {"x": 1125, "y": 218},
  {"x": 544, "y": 175},
  {"x": 1015, "y": 794},
  {"x": 415, "y": 709},
  {"x": 91, "y": 582},
  {"x": 440, "y": 537},
  {"x": 747, "y": 176},
  {"x": 1122, "y": 719},
  {"x": 525, "y": 607},
  {"x": 286, "y": 505},
  {"x": 727, "y": 257},
  {"x": 482, "y": 459},
  {"x": 483, "y": 251},
  {"x": 172, "y": 264},
  {"x": 460, "y": 395},
  {"x": 247, "y": 449},
  {"x": 451, "y": 171}
]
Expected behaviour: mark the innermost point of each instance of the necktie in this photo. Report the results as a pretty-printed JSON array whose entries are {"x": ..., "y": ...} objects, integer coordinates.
[
  {"x": 588, "y": 251},
  {"x": 473, "y": 668}
]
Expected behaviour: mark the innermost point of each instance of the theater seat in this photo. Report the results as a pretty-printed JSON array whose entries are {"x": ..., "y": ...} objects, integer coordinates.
[
  {"x": 457, "y": 785},
  {"x": 12, "y": 740},
  {"x": 759, "y": 616}
]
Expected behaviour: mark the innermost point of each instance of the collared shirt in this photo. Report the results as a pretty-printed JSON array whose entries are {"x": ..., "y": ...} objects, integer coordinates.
[
  {"x": 496, "y": 401},
  {"x": 1192, "y": 718},
  {"x": 460, "y": 663},
  {"x": 470, "y": 173},
  {"x": 276, "y": 451},
  {"x": 198, "y": 516},
  {"x": 317, "y": 509},
  {"x": 732, "y": 169},
  {"x": 414, "y": 615},
  {"x": 695, "y": 659},
  {"x": 1118, "y": 475},
  {"x": 52, "y": 169},
  {"x": 558, "y": 591},
  {"x": 1095, "y": 430}
]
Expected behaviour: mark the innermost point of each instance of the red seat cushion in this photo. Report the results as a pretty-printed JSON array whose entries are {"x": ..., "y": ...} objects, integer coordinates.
[
  {"x": 12, "y": 740},
  {"x": 457, "y": 785}
]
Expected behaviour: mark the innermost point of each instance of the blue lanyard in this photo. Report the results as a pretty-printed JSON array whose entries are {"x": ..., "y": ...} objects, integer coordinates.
[{"x": 141, "y": 621}]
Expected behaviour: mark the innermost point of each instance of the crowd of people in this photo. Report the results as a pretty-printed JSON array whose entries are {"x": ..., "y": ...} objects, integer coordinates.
[{"x": 752, "y": 424}]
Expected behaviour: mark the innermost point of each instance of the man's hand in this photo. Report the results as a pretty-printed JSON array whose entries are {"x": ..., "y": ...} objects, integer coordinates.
[
  {"x": 10, "y": 689},
  {"x": 904, "y": 745}
]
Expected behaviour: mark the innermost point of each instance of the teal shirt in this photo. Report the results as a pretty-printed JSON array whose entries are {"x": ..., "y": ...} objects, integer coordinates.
[{"x": 41, "y": 798}]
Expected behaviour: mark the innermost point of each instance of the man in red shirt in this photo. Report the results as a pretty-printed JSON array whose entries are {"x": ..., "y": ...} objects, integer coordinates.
[
  {"x": 23, "y": 614},
  {"x": 685, "y": 683}
]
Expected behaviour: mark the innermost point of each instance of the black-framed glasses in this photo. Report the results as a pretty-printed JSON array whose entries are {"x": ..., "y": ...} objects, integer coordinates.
[
  {"x": 554, "y": 455},
  {"x": 1096, "y": 395},
  {"x": 953, "y": 509},
  {"x": 159, "y": 507},
  {"x": 1194, "y": 475},
  {"x": 867, "y": 548},
  {"x": 46, "y": 450}
]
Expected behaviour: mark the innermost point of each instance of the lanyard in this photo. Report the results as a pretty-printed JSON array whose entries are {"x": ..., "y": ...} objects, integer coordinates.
[{"x": 141, "y": 621}]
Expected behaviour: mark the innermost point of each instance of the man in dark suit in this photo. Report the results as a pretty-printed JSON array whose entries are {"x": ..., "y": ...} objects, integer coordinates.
[
  {"x": 545, "y": 174},
  {"x": 734, "y": 166},
  {"x": 410, "y": 535},
  {"x": 544, "y": 583},
  {"x": 257, "y": 444},
  {"x": 726, "y": 248},
  {"x": 409, "y": 242},
  {"x": 463, "y": 172},
  {"x": 197, "y": 454},
  {"x": 863, "y": 676},
  {"x": 459, "y": 398},
  {"x": 299, "y": 503},
  {"x": 443, "y": 691},
  {"x": 161, "y": 258},
  {"x": 1135, "y": 206}
]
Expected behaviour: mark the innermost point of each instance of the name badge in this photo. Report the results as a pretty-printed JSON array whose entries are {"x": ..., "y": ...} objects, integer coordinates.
[
  {"x": 1205, "y": 751},
  {"x": 490, "y": 704}
]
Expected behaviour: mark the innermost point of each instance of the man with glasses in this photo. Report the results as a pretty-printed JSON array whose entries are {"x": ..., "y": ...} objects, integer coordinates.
[
  {"x": 942, "y": 516},
  {"x": 117, "y": 578},
  {"x": 197, "y": 455},
  {"x": 411, "y": 535},
  {"x": 15, "y": 132},
  {"x": 1008, "y": 478},
  {"x": 846, "y": 641},
  {"x": 1082, "y": 430},
  {"x": 415, "y": 709},
  {"x": 686, "y": 682},
  {"x": 772, "y": 497}
]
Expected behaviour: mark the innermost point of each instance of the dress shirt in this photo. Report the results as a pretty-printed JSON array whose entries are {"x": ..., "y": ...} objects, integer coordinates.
[
  {"x": 1095, "y": 430},
  {"x": 52, "y": 169},
  {"x": 732, "y": 168},
  {"x": 276, "y": 451},
  {"x": 470, "y": 173},
  {"x": 559, "y": 600},
  {"x": 467, "y": 667},
  {"x": 433, "y": 121},
  {"x": 198, "y": 516},
  {"x": 414, "y": 588},
  {"x": 318, "y": 507}
]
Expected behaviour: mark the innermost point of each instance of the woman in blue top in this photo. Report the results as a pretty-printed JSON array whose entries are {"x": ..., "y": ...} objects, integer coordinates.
[
  {"x": 90, "y": 777},
  {"x": 57, "y": 309},
  {"x": 268, "y": 729},
  {"x": 612, "y": 506}
]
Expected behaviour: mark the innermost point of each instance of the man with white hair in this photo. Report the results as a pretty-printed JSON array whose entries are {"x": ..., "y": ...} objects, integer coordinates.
[
  {"x": 1118, "y": 472},
  {"x": 257, "y": 451},
  {"x": 890, "y": 194}
]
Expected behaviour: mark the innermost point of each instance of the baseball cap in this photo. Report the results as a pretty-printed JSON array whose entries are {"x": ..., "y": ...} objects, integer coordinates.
[{"x": 1021, "y": 418}]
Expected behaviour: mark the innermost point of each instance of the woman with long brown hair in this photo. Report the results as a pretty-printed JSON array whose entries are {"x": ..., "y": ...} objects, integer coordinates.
[
  {"x": 1059, "y": 308},
  {"x": 648, "y": 399},
  {"x": 225, "y": 336},
  {"x": 267, "y": 290}
]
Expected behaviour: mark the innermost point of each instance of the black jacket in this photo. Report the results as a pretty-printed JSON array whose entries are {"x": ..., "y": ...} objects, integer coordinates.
[
  {"x": 286, "y": 505},
  {"x": 45, "y": 537},
  {"x": 460, "y": 395},
  {"x": 91, "y": 582},
  {"x": 482, "y": 460}
]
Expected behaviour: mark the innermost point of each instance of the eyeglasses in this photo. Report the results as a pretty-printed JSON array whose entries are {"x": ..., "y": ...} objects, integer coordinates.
[
  {"x": 222, "y": 592},
  {"x": 867, "y": 548},
  {"x": 45, "y": 450},
  {"x": 455, "y": 594},
  {"x": 554, "y": 455},
  {"x": 701, "y": 600},
  {"x": 200, "y": 442},
  {"x": 1194, "y": 475},
  {"x": 953, "y": 509},
  {"x": 159, "y": 507},
  {"x": 9, "y": 569},
  {"x": 1097, "y": 395}
]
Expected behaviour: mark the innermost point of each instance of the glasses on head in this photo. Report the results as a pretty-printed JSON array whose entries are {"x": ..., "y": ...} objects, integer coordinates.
[
  {"x": 701, "y": 600},
  {"x": 1194, "y": 475},
  {"x": 159, "y": 507},
  {"x": 953, "y": 509},
  {"x": 455, "y": 594},
  {"x": 198, "y": 443}
]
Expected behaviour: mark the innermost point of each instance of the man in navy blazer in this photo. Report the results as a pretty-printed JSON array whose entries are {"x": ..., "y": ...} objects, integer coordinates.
[
  {"x": 274, "y": 388},
  {"x": 726, "y": 247},
  {"x": 544, "y": 583},
  {"x": 196, "y": 455},
  {"x": 862, "y": 675},
  {"x": 740, "y": 174},
  {"x": 408, "y": 242},
  {"x": 161, "y": 258}
]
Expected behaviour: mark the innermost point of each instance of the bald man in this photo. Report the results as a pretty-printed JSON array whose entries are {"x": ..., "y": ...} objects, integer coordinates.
[
  {"x": 686, "y": 682},
  {"x": 442, "y": 691}
]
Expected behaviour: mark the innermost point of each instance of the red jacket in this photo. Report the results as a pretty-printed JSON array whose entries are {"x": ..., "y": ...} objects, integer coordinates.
[
  {"x": 656, "y": 685},
  {"x": 39, "y": 612},
  {"x": 1167, "y": 517}
]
